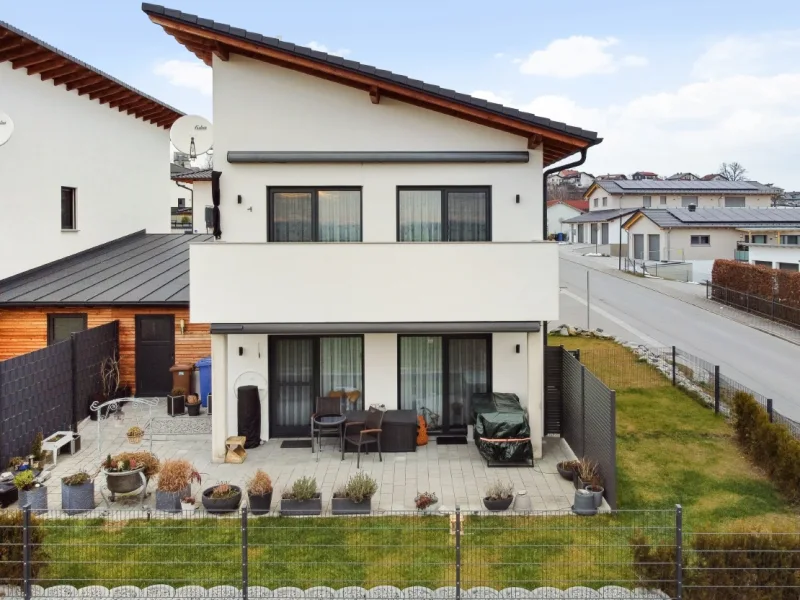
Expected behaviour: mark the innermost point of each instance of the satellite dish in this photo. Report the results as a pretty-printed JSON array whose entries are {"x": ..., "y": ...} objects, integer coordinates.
[
  {"x": 6, "y": 127},
  {"x": 192, "y": 135}
]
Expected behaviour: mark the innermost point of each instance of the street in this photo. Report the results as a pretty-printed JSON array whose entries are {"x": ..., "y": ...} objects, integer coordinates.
[{"x": 635, "y": 313}]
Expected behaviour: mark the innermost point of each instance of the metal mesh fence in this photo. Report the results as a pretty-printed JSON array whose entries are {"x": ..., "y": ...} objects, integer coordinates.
[{"x": 770, "y": 308}]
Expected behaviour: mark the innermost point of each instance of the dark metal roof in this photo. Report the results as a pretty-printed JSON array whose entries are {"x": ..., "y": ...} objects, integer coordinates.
[
  {"x": 12, "y": 37},
  {"x": 651, "y": 186},
  {"x": 599, "y": 216},
  {"x": 193, "y": 175},
  {"x": 722, "y": 217},
  {"x": 140, "y": 268},
  {"x": 338, "y": 61}
]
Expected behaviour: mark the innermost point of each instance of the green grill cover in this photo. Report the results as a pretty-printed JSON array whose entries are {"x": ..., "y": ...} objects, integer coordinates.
[{"x": 496, "y": 426}]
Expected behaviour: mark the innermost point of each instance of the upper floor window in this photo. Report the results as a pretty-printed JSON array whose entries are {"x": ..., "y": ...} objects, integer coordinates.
[
  {"x": 596, "y": 202},
  {"x": 443, "y": 214},
  {"x": 759, "y": 239},
  {"x": 790, "y": 239},
  {"x": 647, "y": 201},
  {"x": 734, "y": 201},
  {"x": 701, "y": 240},
  {"x": 68, "y": 209},
  {"x": 687, "y": 201},
  {"x": 605, "y": 201},
  {"x": 60, "y": 326},
  {"x": 181, "y": 202},
  {"x": 663, "y": 199},
  {"x": 314, "y": 215}
]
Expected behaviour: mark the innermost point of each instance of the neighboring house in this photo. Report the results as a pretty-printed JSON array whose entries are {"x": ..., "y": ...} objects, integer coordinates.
[
  {"x": 440, "y": 282},
  {"x": 87, "y": 161},
  {"x": 576, "y": 178},
  {"x": 713, "y": 177},
  {"x": 772, "y": 246},
  {"x": 641, "y": 175},
  {"x": 683, "y": 177},
  {"x": 612, "y": 177},
  {"x": 603, "y": 228},
  {"x": 559, "y": 211},
  {"x": 199, "y": 181},
  {"x": 604, "y": 195},
  {"x": 703, "y": 233},
  {"x": 180, "y": 206},
  {"x": 142, "y": 280}
]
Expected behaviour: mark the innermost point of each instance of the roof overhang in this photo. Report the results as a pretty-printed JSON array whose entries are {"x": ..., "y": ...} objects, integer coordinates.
[
  {"x": 630, "y": 222},
  {"x": 206, "y": 41},
  {"x": 50, "y": 64},
  {"x": 359, "y": 328}
]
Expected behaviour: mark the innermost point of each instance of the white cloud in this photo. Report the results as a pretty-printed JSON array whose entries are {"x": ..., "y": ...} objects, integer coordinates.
[
  {"x": 759, "y": 54},
  {"x": 499, "y": 54},
  {"x": 323, "y": 48},
  {"x": 577, "y": 56},
  {"x": 186, "y": 73},
  {"x": 491, "y": 96}
]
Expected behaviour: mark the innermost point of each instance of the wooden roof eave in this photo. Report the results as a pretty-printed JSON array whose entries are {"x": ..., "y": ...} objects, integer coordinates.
[{"x": 198, "y": 40}]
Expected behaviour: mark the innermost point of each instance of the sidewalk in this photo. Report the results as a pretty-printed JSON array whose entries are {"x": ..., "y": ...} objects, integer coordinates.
[{"x": 691, "y": 293}]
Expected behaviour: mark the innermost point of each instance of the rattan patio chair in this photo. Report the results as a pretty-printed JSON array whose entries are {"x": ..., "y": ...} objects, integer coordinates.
[{"x": 369, "y": 434}]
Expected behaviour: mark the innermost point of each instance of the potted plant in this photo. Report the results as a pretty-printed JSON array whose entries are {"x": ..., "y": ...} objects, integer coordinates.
[
  {"x": 425, "y": 502},
  {"x": 355, "y": 498},
  {"x": 125, "y": 471},
  {"x": 36, "y": 450},
  {"x": 596, "y": 488},
  {"x": 259, "y": 493},
  {"x": 193, "y": 405},
  {"x": 567, "y": 468},
  {"x": 499, "y": 496},
  {"x": 586, "y": 471},
  {"x": 17, "y": 463},
  {"x": 77, "y": 493},
  {"x": 135, "y": 435},
  {"x": 176, "y": 402},
  {"x": 188, "y": 505},
  {"x": 175, "y": 479},
  {"x": 302, "y": 498},
  {"x": 31, "y": 492},
  {"x": 222, "y": 498},
  {"x": 584, "y": 503}
]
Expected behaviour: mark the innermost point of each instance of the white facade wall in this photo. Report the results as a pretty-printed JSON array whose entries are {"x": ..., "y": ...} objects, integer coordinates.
[
  {"x": 774, "y": 254},
  {"x": 672, "y": 200},
  {"x": 556, "y": 214},
  {"x": 119, "y": 165},
  {"x": 676, "y": 244}
]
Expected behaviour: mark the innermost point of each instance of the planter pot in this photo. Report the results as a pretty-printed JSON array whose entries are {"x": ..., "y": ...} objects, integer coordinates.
[
  {"x": 222, "y": 505},
  {"x": 36, "y": 497},
  {"x": 193, "y": 409},
  {"x": 584, "y": 503},
  {"x": 345, "y": 506},
  {"x": 77, "y": 498},
  {"x": 259, "y": 505},
  {"x": 501, "y": 504},
  {"x": 171, "y": 501},
  {"x": 579, "y": 483},
  {"x": 565, "y": 473},
  {"x": 208, "y": 407},
  {"x": 433, "y": 508},
  {"x": 597, "y": 495},
  {"x": 74, "y": 446},
  {"x": 176, "y": 405},
  {"x": 188, "y": 509},
  {"x": 295, "y": 508},
  {"x": 124, "y": 483}
]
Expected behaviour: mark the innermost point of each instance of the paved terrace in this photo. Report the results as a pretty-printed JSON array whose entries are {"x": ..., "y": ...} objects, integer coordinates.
[{"x": 456, "y": 473}]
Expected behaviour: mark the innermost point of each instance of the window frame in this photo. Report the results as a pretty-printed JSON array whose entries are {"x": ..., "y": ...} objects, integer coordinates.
[
  {"x": 758, "y": 235},
  {"x": 662, "y": 200},
  {"x": 700, "y": 243},
  {"x": 444, "y": 189},
  {"x": 314, "y": 191},
  {"x": 784, "y": 239},
  {"x": 51, "y": 323},
  {"x": 726, "y": 199},
  {"x": 74, "y": 208},
  {"x": 605, "y": 200},
  {"x": 696, "y": 202},
  {"x": 647, "y": 201},
  {"x": 596, "y": 202}
]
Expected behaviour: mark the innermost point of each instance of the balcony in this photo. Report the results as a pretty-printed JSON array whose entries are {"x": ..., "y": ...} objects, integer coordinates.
[
  {"x": 180, "y": 218},
  {"x": 374, "y": 282}
]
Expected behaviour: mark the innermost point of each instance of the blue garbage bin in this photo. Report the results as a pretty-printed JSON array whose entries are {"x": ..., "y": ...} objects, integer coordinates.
[{"x": 204, "y": 366}]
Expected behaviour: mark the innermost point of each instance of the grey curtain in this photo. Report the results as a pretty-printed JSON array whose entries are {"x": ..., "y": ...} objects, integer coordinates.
[
  {"x": 420, "y": 215},
  {"x": 468, "y": 375},
  {"x": 421, "y": 378},
  {"x": 339, "y": 215},
  {"x": 341, "y": 370},
  {"x": 291, "y": 217},
  {"x": 466, "y": 216},
  {"x": 294, "y": 374}
]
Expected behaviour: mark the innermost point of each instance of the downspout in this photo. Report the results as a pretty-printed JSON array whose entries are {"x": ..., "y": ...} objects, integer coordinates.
[{"x": 549, "y": 172}]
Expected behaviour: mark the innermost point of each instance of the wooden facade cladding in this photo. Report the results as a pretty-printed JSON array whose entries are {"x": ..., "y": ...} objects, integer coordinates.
[{"x": 24, "y": 330}]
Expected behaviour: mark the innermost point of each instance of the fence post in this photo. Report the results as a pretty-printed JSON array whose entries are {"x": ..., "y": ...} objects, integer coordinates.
[
  {"x": 26, "y": 551},
  {"x": 458, "y": 552},
  {"x": 716, "y": 389},
  {"x": 769, "y": 409},
  {"x": 583, "y": 409},
  {"x": 74, "y": 369},
  {"x": 678, "y": 552},
  {"x": 245, "y": 583},
  {"x": 674, "y": 360}
]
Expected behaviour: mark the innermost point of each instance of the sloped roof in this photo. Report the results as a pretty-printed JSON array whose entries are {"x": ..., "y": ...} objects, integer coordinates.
[
  {"x": 719, "y": 217},
  {"x": 139, "y": 269},
  {"x": 22, "y": 49},
  {"x": 600, "y": 216},
  {"x": 581, "y": 205},
  {"x": 192, "y": 175},
  {"x": 651, "y": 186},
  {"x": 205, "y": 38}
]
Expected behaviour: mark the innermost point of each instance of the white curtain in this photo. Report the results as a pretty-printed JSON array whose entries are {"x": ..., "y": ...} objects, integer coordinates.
[
  {"x": 420, "y": 214},
  {"x": 291, "y": 217},
  {"x": 466, "y": 216},
  {"x": 421, "y": 377},
  {"x": 339, "y": 215},
  {"x": 340, "y": 370}
]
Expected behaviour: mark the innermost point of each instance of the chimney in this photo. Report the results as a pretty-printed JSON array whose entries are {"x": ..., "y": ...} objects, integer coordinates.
[{"x": 692, "y": 207}]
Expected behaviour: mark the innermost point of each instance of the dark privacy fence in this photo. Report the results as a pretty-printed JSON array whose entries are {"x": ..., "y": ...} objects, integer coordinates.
[{"x": 49, "y": 390}]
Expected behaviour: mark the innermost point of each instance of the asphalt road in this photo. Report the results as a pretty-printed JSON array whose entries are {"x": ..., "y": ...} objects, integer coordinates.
[{"x": 622, "y": 307}]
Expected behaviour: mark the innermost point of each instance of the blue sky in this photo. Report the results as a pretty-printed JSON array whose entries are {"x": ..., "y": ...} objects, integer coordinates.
[{"x": 671, "y": 86}]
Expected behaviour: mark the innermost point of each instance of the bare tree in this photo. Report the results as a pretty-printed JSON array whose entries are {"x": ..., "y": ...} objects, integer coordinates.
[
  {"x": 732, "y": 171},
  {"x": 205, "y": 161}
]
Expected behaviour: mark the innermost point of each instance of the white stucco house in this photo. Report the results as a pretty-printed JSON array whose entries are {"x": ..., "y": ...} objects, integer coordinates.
[
  {"x": 79, "y": 135},
  {"x": 772, "y": 246},
  {"x": 376, "y": 234},
  {"x": 559, "y": 211},
  {"x": 198, "y": 181}
]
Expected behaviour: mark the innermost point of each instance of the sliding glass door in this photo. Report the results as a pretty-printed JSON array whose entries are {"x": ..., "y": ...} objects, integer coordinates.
[
  {"x": 304, "y": 368},
  {"x": 439, "y": 374}
]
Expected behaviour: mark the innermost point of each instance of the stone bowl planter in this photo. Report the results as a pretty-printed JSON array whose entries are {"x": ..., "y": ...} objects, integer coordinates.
[
  {"x": 171, "y": 501},
  {"x": 499, "y": 504},
  {"x": 125, "y": 482},
  {"x": 259, "y": 504},
  {"x": 296, "y": 508},
  {"x": 345, "y": 506},
  {"x": 565, "y": 473},
  {"x": 597, "y": 494},
  {"x": 36, "y": 497},
  {"x": 222, "y": 505},
  {"x": 77, "y": 499}
]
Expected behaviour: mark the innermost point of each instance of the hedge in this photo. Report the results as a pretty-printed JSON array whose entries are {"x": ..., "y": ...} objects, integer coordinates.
[
  {"x": 757, "y": 280},
  {"x": 11, "y": 550}
]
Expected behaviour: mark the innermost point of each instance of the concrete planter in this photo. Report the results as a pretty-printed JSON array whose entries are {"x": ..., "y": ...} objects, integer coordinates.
[
  {"x": 171, "y": 501},
  {"x": 296, "y": 508},
  {"x": 497, "y": 504},
  {"x": 222, "y": 505},
  {"x": 259, "y": 504},
  {"x": 77, "y": 498},
  {"x": 584, "y": 503},
  {"x": 345, "y": 506},
  {"x": 36, "y": 497}
]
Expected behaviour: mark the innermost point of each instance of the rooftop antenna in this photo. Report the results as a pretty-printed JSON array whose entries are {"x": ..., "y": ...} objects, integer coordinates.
[
  {"x": 6, "y": 127},
  {"x": 192, "y": 135}
]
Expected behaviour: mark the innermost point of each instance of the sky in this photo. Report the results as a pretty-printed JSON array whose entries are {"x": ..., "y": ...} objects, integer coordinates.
[{"x": 670, "y": 86}]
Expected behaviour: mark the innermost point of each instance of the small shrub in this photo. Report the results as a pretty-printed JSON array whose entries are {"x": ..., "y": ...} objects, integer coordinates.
[
  {"x": 259, "y": 484},
  {"x": 127, "y": 461},
  {"x": 177, "y": 392},
  {"x": 425, "y": 499},
  {"x": 192, "y": 399},
  {"x": 16, "y": 461},
  {"x": 654, "y": 566},
  {"x": 24, "y": 481},
  {"x": 304, "y": 488},
  {"x": 500, "y": 490},
  {"x": 11, "y": 549},
  {"x": 176, "y": 475},
  {"x": 188, "y": 500},
  {"x": 359, "y": 487},
  {"x": 36, "y": 447},
  {"x": 78, "y": 478},
  {"x": 223, "y": 491},
  {"x": 587, "y": 469}
]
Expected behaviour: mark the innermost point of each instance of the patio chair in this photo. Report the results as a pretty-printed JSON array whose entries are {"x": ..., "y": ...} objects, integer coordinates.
[
  {"x": 369, "y": 434},
  {"x": 327, "y": 406}
]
